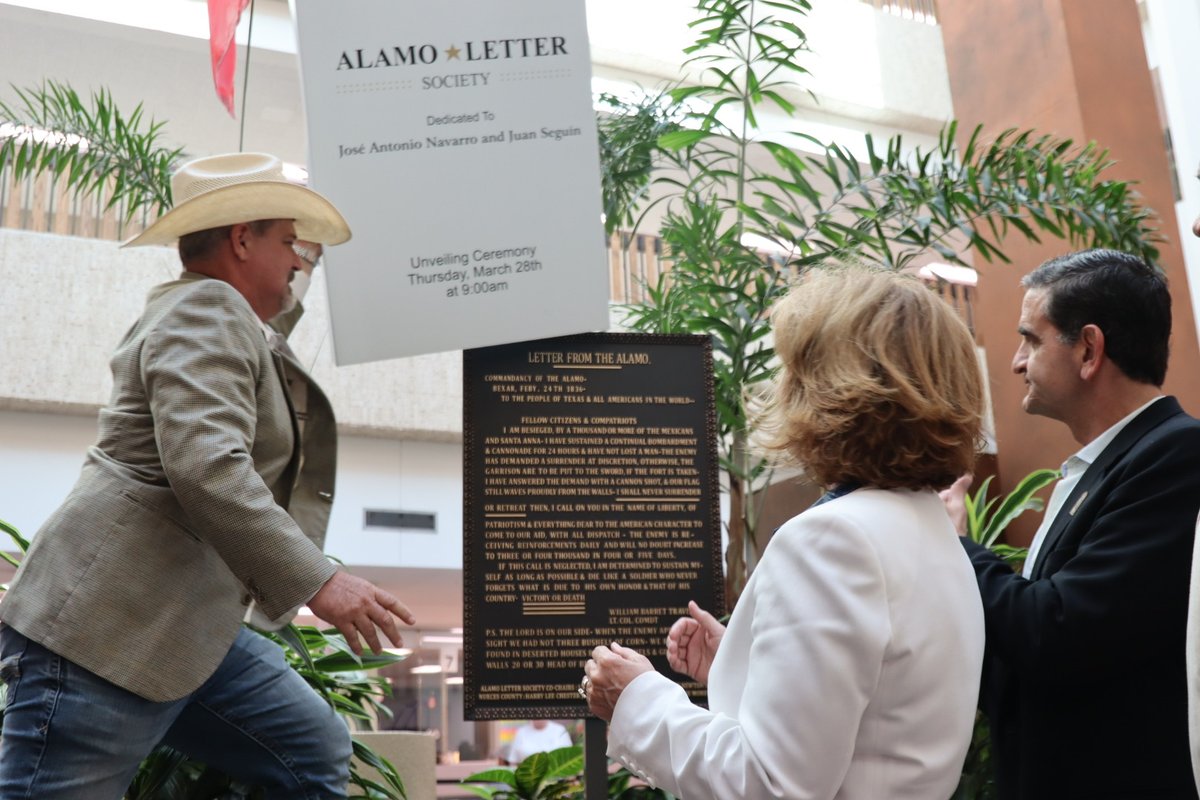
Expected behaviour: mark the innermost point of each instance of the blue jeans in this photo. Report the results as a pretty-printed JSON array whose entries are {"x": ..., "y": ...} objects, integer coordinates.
[{"x": 71, "y": 735}]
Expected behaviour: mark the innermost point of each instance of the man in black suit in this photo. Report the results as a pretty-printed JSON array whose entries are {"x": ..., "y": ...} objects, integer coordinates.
[
  {"x": 1084, "y": 679},
  {"x": 1193, "y": 633}
]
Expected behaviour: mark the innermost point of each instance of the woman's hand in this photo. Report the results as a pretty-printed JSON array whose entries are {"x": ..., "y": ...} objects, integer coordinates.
[
  {"x": 608, "y": 672},
  {"x": 693, "y": 641}
]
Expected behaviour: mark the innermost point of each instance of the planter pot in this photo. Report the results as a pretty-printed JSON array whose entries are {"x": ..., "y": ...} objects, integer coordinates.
[{"x": 414, "y": 755}]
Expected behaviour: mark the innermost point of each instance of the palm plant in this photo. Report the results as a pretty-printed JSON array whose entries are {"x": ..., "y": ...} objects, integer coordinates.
[
  {"x": 629, "y": 131},
  {"x": 718, "y": 284},
  {"x": 91, "y": 145},
  {"x": 818, "y": 202}
]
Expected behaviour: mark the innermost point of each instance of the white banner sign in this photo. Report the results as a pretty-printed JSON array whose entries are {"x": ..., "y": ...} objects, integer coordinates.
[{"x": 458, "y": 139}]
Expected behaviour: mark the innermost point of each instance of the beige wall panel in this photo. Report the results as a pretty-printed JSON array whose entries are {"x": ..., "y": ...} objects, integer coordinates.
[{"x": 67, "y": 301}]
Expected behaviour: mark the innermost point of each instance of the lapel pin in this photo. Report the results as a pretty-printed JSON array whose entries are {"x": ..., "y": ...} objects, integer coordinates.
[{"x": 1078, "y": 503}]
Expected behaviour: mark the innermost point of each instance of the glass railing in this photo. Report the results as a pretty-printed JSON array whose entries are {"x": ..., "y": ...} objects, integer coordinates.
[{"x": 45, "y": 205}]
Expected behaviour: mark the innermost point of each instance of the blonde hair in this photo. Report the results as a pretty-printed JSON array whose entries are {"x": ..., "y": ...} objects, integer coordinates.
[{"x": 879, "y": 382}]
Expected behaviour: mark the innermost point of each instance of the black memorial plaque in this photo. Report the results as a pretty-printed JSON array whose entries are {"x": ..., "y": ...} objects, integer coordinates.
[{"x": 590, "y": 513}]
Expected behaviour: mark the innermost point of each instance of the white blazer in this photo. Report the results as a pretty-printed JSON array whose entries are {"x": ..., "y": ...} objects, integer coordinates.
[
  {"x": 850, "y": 668},
  {"x": 1193, "y": 658}
]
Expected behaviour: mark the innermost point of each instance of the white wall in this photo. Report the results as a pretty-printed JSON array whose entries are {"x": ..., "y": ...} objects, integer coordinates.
[
  {"x": 169, "y": 74},
  {"x": 390, "y": 475},
  {"x": 869, "y": 68},
  {"x": 40, "y": 457},
  {"x": 1172, "y": 35},
  {"x": 41, "y": 453}
]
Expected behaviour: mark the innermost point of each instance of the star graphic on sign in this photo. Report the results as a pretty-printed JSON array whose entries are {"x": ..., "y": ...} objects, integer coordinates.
[{"x": 452, "y": 52}]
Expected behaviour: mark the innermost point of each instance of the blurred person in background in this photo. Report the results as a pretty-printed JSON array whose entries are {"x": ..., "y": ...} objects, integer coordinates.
[{"x": 537, "y": 736}]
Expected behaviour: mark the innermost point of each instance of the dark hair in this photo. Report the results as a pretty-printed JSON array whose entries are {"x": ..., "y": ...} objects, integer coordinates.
[
  {"x": 200, "y": 244},
  {"x": 1122, "y": 295}
]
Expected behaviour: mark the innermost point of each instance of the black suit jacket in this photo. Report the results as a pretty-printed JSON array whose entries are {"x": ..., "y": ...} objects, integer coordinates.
[{"x": 1084, "y": 681}]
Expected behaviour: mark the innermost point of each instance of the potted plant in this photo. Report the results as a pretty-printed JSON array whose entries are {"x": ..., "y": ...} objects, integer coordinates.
[
  {"x": 554, "y": 776},
  {"x": 694, "y": 141}
]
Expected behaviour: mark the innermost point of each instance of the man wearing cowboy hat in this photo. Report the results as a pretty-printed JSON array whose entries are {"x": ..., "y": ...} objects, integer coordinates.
[{"x": 203, "y": 503}]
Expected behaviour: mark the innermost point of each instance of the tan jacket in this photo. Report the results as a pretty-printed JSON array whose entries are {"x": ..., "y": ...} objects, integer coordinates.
[{"x": 193, "y": 501}]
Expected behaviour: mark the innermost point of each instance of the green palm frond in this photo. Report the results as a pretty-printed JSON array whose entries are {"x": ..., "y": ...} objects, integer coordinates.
[
  {"x": 1017, "y": 502},
  {"x": 92, "y": 145},
  {"x": 988, "y": 518}
]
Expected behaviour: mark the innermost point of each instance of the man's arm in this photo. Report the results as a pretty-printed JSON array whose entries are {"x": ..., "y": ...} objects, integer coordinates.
[
  {"x": 357, "y": 607},
  {"x": 1121, "y": 597},
  {"x": 201, "y": 369}
]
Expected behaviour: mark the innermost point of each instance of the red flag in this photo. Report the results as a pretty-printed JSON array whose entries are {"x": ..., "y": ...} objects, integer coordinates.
[{"x": 223, "y": 17}]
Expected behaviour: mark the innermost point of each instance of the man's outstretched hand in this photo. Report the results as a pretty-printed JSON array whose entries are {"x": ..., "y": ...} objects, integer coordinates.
[
  {"x": 359, "y": 608},
  {"x": 954, "y": 499}
]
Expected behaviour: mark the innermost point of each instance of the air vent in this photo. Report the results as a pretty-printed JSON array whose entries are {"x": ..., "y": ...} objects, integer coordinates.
[{"x": 403, "y": 520}]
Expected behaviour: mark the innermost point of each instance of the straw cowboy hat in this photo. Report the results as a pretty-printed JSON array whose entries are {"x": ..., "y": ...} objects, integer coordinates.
[{"x": 215, "y": 191}]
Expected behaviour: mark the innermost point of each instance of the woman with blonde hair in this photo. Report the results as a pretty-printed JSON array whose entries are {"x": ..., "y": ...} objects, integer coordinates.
[{"x": 850, "y": 667}]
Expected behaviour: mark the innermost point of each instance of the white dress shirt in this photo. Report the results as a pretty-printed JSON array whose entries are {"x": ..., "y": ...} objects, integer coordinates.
[
  {"x": 529, "y": 740},
  {"x": 1072, "y": 471}
]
